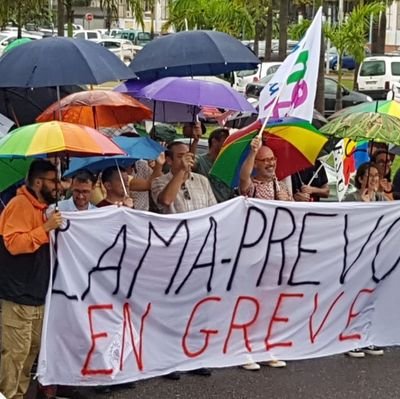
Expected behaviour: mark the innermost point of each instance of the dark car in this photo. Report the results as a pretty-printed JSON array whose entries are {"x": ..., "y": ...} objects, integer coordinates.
[{"x": 350, "y": 98}]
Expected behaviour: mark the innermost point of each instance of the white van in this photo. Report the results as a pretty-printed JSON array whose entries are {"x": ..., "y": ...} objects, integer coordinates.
[
  {"x": 377, "y": 75},
  {"x": 242, "y": 78},
  {"x": 87, "y": 35}
]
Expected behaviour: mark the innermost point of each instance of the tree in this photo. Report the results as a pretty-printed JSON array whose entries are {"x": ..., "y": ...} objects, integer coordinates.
[
  {"x": 111, "y": 9},
  {"x": 229, "y": 16},
  {"x": 283, "y": 27},
  {"x": 351, "y": 37}
]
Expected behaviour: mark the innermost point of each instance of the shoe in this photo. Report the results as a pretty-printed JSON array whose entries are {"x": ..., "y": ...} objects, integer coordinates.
[
  {"x": 203, "y": 371},
  {"x": 175, "y": 375},
  {"x": 103, "y": 390},
  {"x": 251, "y": 366},
  {"x": 358, "y": 353},
  {"x": 69, "y": 393},
  {"x": 373, "y": 350},
  {"x": 276, "y": 363}
]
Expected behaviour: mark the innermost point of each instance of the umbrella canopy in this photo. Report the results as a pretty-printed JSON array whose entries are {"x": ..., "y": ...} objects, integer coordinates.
[
  {"x": 389, "y": 107},
  {"x": 295, "y": 143},
  {"x": 365, "y": 126},
  {"x": 135, "y": 148},
  {"x": 16, "y": 43},
  {"x": 97, "y": 108},
  {"x": 163, "y": 112},
  {"x": 58, "y": 61},
  {"x": 56, "y": 138},
  {"x": 195, "y": 92},
  {"x": 192, "y": 53},
  {"x": 12, "y": 171},
  {"x": 23, "y": 105}
]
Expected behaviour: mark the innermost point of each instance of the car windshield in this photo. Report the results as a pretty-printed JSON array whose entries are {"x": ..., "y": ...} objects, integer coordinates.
[
  {"x": 144, "y": 37},
  {"x": 247, "y": 72},
  {"x": 396, "y": 68},
  {"x": 373, "y": 68}
]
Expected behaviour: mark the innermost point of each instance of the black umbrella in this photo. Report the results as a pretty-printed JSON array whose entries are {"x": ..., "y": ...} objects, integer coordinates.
[
  {"x": 23, "y": 105},
  {"x": 192, "y": 53},
  {"x": 60, "y": 61}
]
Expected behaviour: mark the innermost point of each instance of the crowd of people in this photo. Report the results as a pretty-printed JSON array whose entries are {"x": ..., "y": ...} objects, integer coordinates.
[{"x": 178, "y": 181}]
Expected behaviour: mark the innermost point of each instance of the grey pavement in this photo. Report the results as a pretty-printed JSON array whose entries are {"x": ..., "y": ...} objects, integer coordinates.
[{"x": 372, "y": 377}]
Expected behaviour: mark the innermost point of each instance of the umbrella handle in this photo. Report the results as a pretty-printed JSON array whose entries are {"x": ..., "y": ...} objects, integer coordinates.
[{"x": 122, "y": 180}]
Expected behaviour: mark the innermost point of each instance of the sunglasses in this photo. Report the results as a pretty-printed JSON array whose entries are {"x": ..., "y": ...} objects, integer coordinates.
[{"x": 186, "y": 193}]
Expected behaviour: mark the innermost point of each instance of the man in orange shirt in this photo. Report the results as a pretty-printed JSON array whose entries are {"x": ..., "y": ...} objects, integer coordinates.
[{"x": 24, "y": 275}]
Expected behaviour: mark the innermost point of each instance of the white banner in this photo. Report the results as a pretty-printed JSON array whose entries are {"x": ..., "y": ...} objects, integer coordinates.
[
  {"x": 291, "y": 91},
  {"x": 137, "y": 295}
]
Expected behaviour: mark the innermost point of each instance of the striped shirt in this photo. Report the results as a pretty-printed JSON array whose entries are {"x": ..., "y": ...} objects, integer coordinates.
[{"x": 195, "y": 193}]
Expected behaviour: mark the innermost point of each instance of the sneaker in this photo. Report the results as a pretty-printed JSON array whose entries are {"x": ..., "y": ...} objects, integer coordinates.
[
  {"x": 373, "y": 350},
  {"x": 356, "y": 353},
  {"x": 251, "y": 366},
  {"x": 276, "y": 363},
  {"x": 203, "y": 371}
]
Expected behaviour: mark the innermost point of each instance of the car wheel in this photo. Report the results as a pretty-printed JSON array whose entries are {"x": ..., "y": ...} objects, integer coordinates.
[{"x": 334, "y": 66}]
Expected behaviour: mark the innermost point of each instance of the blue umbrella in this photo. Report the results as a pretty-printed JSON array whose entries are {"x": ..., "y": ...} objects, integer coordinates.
[
  {"x": 192, "y": 53},
  {"x": 135, "y": 148},
  {"x": 60, "y": 61}
]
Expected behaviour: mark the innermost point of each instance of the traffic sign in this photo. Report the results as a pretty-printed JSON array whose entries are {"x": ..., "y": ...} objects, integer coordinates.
[{"x": 89, "y": 17}]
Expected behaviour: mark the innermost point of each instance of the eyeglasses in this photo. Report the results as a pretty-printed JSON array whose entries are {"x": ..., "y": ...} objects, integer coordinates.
[
  {"x": 269, "y": 160},
  {"x": 55, "y": 180},
  {"x": 81, "y": 192},
  {"x": 186, "y": 193}
]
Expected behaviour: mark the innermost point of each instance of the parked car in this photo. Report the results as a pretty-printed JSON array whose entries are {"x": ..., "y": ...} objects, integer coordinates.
[
  {"x": 378, "y": 75},
  {"x": 122, "y": 48},
  {"x": 291, "y": 44},
  {"x": 242, "y": 78},
  {"x": 136, "y": 37},
  {"x": 6, "y": 37},
  {"x": 330, "y": 86},
  {"x": 348, "y": 61},
  {"x": 87, "y": 35}
]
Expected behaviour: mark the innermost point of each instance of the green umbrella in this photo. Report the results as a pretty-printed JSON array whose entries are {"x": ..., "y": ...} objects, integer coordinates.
[
  {"x": 371, "y": 126},
  {"x": 12, "y": 171},
  {"x": 389, "y": 107},
  {"x": 16, "y": 43}
]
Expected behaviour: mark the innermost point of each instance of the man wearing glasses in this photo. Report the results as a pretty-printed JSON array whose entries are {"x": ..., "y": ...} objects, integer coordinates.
[
  {"x": 181, "y": 190},
  {"x": 81, "y": 188},
  {"x": 24, "y": 274}
]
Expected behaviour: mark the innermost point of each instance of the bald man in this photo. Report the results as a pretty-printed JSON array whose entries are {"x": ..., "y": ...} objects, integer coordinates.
[{"x": 257, "y": 175}]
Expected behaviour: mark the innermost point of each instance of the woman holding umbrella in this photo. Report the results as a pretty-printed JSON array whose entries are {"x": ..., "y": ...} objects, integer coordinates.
[{"x": 383, "y": 162}]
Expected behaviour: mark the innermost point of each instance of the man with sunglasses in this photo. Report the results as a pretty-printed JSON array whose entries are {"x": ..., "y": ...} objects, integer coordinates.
[
  {"x": 24, "y": 274},
  {"x": 181, "y": 190}
]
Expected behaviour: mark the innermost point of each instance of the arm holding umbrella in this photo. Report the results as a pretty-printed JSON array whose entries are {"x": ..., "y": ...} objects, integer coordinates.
[
  {"x": 140, "y": 184},
  {"x": 248, "y": 165}
]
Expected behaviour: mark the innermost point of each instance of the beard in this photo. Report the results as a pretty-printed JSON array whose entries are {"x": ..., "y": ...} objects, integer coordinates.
[{"x": 48, "y": 195}]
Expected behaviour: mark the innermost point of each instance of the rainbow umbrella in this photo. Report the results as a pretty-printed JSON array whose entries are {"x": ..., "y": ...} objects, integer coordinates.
[
  {"x": 56, "y": 139},
  {"x": 295, "y": 143}
]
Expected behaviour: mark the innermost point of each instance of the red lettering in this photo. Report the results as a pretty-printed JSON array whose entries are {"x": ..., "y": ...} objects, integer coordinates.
[
  {"x": 207, "y": 333},
  {"x": 352, "y": 315},
  {"x": 128, "y": 324},
  {"x": 242, "y": 326},
  {"x": 276, "y": 319},
  {"x": 85, "y": 369},
  {"x": 313, "y": 335}
]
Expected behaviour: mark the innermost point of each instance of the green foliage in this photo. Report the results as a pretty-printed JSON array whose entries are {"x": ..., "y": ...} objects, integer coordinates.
[
  {"x": 223, "y": 15},
  {"x": 297, "y": 31}
]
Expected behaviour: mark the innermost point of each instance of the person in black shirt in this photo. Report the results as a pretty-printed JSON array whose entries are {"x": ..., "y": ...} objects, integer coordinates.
[{"x": 310, "y": 184}]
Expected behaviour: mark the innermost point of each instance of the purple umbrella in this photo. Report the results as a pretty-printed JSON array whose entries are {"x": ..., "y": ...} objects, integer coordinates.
[
  {"x": 168, "y": 112},
  {"x": 195, "y": 92}
]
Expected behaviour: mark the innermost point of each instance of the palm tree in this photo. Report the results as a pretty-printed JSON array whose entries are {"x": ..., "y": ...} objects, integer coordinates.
[
  {"x": 283, "y": 27},
  {"x": 229, "y": 16},
  {"x": 351, "y": 37}
]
